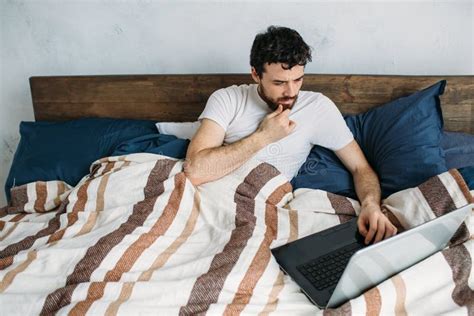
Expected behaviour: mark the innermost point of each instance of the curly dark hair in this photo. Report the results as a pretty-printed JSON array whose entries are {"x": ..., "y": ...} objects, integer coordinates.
[{"x": 279, "y": 45}]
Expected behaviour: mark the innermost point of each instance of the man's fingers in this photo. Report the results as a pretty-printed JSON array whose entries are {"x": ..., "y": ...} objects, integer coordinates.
[
  {"x": 380, "y": 230},
  {"x": 390, "y": 231},
  {"x": 370, "y": 235},
  {"x": 277, "y": 111},
  {"x": 375, "y": 226},
  {"x": 372, "y": 230},
  {"x": 361, "y": 225}
]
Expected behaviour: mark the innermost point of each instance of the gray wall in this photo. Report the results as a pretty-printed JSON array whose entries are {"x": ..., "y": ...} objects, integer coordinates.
[{"x": 73, "y": 37}]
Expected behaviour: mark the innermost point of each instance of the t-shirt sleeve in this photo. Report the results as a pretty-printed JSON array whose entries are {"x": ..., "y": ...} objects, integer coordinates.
[
  {"x": 219, "y": 108},
  {"x": 331, "y": 131}
]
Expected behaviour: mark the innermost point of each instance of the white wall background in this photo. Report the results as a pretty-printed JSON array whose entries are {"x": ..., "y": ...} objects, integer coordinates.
[{"x": 75, "y": 37}]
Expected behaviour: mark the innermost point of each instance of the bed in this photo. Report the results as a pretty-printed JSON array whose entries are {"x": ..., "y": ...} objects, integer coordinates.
[{"x": 134, "y": 236}]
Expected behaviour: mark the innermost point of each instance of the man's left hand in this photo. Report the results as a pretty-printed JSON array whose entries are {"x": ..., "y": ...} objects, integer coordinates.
[{"x": 372, "y": 222}]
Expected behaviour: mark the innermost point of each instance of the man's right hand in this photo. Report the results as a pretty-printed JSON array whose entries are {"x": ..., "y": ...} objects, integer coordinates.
[{"x": 276, "y": 125}]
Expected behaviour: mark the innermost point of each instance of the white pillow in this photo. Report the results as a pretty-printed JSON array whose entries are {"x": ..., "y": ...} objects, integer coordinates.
[{"x": 179, "y": 129}]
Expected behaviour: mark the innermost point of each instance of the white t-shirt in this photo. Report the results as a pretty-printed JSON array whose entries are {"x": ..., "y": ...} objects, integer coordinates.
[{"x": 240, "y": 109}]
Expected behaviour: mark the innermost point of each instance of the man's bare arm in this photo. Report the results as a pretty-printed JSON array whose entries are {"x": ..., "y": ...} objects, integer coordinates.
[
  {"x": 208, "y": 160},
  {"x": 367, "y": 188},
  {"x": 206, "y": 164}
]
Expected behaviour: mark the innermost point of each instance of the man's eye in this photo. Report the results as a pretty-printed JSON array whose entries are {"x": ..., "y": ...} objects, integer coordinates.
[{"x": 278, "y": 83}]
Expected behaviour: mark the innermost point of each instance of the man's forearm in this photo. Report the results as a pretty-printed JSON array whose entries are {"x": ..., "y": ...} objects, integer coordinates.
[
  {"x": 213, "y": 163},
  {"x": 367, "y": 186},
  {"x": 372, "y": 223}
]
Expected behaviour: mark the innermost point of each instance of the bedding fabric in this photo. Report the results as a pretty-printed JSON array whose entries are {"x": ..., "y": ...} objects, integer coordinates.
[
  {"x": 166, "y": 145},
  {"x": 458, "y": 149},
  {"x": 159, "y": 245},
  {"x": 401, "y": 141},
  {"x": 468, "y": 175},
  {"x": 65, "y": 150}
]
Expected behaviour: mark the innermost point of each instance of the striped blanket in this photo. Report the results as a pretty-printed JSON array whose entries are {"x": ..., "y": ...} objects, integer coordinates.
[{"x": 136, "y": 237}]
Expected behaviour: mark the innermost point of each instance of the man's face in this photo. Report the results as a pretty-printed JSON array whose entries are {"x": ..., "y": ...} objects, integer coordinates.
[{"x": 278, "y": 85}]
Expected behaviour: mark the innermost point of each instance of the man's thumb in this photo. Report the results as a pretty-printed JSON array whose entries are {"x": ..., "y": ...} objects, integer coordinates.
[{"x": 277, "y": 111}]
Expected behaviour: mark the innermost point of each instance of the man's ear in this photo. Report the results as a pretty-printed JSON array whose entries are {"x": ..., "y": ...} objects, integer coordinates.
[{"x": 255, "y": 76}]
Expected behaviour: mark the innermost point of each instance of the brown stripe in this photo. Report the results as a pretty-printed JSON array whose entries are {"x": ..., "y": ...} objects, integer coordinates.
[
  {"x": 10, "y": 276},
  {"x": 110, "y": 165},
  {"x": 6, "y": 262},
  {"x": 342, "y": 207},
  {"x": 9, "y": 231},
  {"x": 462, "y": 185},
  {"x": 208, "y": 286},
  {"x": 27, "y": 242},
  {"x": 441, "y": 202},
  {"x": 2, "y": 225},
  {"x": 61, "y": 190},
  {"x": 271, "y": 211},
  {"x": 460, "y": 261},
  {"x": 95, "y": 292},
  {"x": 125, "y": 165},
  {"x": 344, "y": 310},
  {"x": 73, "y": 216},
  {"x": 18, "y": 217},
  {"x": 93, "y": 170},
  {"x": 461, "y": 235},
  {"x": 125, "y": 294},
  {"x": 99, "y": 206},
  {"x": 41, "y": 194},
  {"x": 401, "y": 293},
  {"x": 437, "y": 196},
  {"x": 293, "y": 223},
  {"x": 96, "y": 254},
  {"x": 101, "y": 192},
  {"x": 373, "y": 301},
  {"x": 293, "y": 214},
  {"x": 3, "y": 213},
  {"x": 131, "y": 255},
  {"x": 19, "y": 197},
  {"x": 263, "y": 255},
  {"x": 118, "y": 166},
  {"x": 161, "y": 259},
  {"x": 393, "y": 219},
  {"x": 273, "y": 297},
  {"x": 91, "y": 220}
]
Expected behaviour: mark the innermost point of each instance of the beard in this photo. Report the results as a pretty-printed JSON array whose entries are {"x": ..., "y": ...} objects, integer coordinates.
[{"x": 273, "y": 104}]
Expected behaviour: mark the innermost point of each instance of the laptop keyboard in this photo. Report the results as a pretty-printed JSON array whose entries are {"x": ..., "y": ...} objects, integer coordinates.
[{"x": 325, "y": 271}]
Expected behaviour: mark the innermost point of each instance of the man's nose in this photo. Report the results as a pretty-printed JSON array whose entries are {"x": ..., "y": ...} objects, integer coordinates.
[{"x": 290, "y": 90}]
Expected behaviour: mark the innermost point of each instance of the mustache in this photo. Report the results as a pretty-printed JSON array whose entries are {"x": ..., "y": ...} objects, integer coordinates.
[{"x": 287, "y": 99}]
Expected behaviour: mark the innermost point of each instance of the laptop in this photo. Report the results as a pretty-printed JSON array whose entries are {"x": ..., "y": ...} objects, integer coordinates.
[{"x": 334, "y": 265}]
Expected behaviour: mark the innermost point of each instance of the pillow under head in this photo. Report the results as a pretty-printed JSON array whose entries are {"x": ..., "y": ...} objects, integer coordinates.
[{"x": 401, "y": 141}]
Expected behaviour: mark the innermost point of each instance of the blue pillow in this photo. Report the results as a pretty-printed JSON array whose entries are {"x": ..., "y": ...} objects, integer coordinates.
[
  {"x": 401, "y": 141},
  {"x": 468, "y": 175},
  {"x": 161, "y": 144},
  {"x": 458, "y": 149},
  {"x": 65, "y": 150}
]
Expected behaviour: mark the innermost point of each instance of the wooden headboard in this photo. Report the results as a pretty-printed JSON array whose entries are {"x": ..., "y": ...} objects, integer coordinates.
[{"x": 183, "y": 97}]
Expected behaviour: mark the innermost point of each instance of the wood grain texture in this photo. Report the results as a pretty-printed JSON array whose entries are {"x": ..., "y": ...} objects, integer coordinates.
[{"x": 183, "y": 97}]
